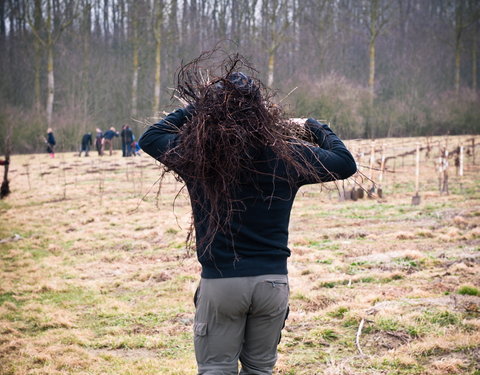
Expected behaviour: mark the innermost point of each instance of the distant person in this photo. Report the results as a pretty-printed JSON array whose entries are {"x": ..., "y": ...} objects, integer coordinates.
[
  {"x": 4, "y": 162},
  {"x": 108, "y": 139},
  {"x": 127, "y": 139},
  {"x": 124, "y": 145},
  {"x": 99, "y": 141},
  {"x": 135, "y": 148},
  {"x": 50, "y": 141},
  {"x": 86, "y": 143}
]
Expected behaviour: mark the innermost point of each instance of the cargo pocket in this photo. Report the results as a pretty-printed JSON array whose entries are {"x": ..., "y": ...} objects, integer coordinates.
[
  {"x": 200, "y": 329},
  {"x": 200, "y": 341},
  {"x": 284, "y": 321}
]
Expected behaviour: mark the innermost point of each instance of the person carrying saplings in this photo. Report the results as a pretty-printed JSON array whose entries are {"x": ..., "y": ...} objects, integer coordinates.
[
  {"x": 242, "y": 161},
  {"x": 108, "y": 139}
]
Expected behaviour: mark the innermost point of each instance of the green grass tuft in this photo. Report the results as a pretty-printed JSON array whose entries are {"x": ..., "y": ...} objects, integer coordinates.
[
  {"x": 339, "y": 312},
  {"x": 468, "y": 290}
]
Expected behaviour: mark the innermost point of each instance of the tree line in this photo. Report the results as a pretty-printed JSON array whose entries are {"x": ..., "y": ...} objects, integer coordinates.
[{"x": 373, "y": 68}]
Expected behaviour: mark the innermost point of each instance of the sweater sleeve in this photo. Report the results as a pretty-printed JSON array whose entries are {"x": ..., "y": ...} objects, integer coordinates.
[
  {"x": 162, "y": 136},
  {"x": 330, "y": 158}
]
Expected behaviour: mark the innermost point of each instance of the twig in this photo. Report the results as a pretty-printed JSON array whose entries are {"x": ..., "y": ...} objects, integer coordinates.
[
  {"x": 357, "y": 337},
  {"x": 182, "y": 101},
  {"x": 286, "y": 96}
]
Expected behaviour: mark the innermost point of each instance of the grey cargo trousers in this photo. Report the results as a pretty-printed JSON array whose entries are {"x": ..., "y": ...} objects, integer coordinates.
[{"x": 239, "y": 318}]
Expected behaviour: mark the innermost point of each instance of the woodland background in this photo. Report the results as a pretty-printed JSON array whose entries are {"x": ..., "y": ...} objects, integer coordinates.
[{"x": 374, "y": 68}]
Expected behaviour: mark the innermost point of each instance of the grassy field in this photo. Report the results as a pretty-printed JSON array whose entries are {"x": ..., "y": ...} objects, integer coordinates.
[{"x": 95, "y": 277}]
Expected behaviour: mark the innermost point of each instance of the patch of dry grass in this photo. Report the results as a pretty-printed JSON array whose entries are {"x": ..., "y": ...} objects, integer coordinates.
[{"x": 99, "y": 281}]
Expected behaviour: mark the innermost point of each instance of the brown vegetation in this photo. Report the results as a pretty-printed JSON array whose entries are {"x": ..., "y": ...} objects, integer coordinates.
[{"x": 95, "y": 279}]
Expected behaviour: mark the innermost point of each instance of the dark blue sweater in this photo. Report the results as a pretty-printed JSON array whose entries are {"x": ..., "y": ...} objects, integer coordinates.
[
  {"x": 257, "y": 243},
  {"x": 109, "y": 134},
  {"x": 51, "y": 139}
]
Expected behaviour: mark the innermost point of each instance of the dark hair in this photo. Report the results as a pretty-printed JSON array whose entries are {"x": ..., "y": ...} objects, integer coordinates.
[{"x": 234, "y": 119}]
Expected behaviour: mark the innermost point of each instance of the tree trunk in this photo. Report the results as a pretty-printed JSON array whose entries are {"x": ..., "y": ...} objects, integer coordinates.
[
  {"x": 474, "y": 56},
  {"x": 135, "y": 66},
  {"x": 234, "y": 22},
  {"x": 37, "y": 56},
  {"x": 121, "y": 22},
  {"x": 172, "y": 36},
  {"x": 371, "y": 76},
  {"x": 86, "y": 27},
  {"x": 371, "y": 48},
  {"x": 158, "y": 55},
  {"x": 135, "y": 82},
  {"x": 105, "y": 21},
  {"x": 158, "y": 60},
  {"x": 50, "y": 83},
  {"x": 271, "y": 66},
  {"x": 2, "y": 21},
  {"x": 457, "y": 67},
  {"x": 50, "y": 77},
  {"x": 185, "y": 22},
  {"x": 458, "y": 42},
  {"x": 11, "y": 20}
]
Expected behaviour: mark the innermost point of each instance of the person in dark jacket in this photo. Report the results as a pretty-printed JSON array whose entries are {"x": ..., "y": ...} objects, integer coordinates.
[
  {"x": 108, "y": 139},
  {"x": 50, "y": 141},
  {"x": 124, "y": 145},
  {"x": 86, "y": 143},
  {"x": 243, "y": 162},
  {"x": 99, "y": 141},
  {"x": 127, "y": 139}
]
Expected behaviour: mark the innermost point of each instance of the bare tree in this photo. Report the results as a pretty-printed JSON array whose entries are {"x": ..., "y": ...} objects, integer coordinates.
[
  {"x": 377, "y": 18},
  {"x": 47, "y": 35},
  {"x": 135, "y": 50},
  {"x": 37, "y": 19},
  {"x": 459, "y": 28},
  {"x": 276, "y": 19},
  {"x": 157, "y": 33},
  {"x": 395, "y": 54},
  {"x": 474, "y": 55},
  {"x": 85, "y": 34}
]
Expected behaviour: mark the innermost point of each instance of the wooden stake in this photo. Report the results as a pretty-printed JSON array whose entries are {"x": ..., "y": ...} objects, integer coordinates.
[
  {"x": 417, "y": 170},
  {"x": 460, "y": 170},
  {"x": 372, "y": 159},
  {"x": 416, "y": 197},
  {"x": 394, "y": 178},
  {"x": 372, "y": 163},
  {"x": 341, "y": 191},
  {"x": 443, "y": 171},
  {"x": 27, "y": 172},
  {"x": 380, "y": 177},
  {"x": 473, "y": 151}
]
